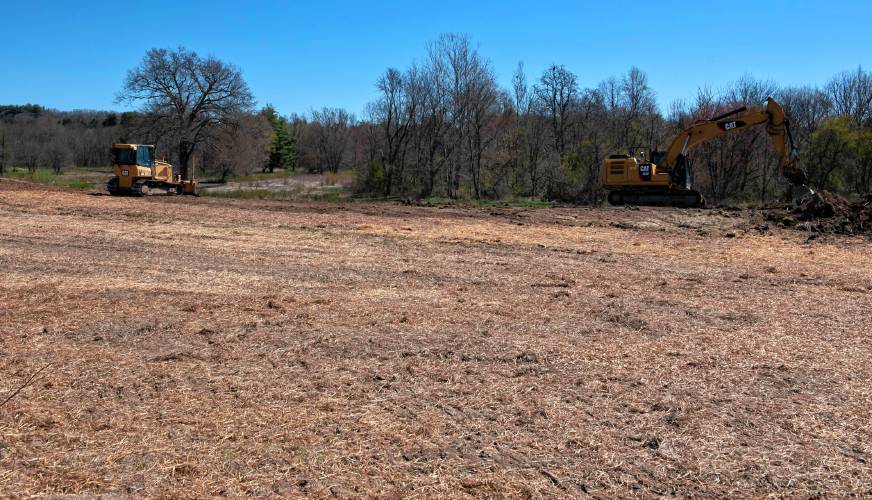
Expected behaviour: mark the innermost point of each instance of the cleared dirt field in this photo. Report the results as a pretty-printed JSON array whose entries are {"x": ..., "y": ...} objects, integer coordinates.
[{"x": 201, "y": 347}]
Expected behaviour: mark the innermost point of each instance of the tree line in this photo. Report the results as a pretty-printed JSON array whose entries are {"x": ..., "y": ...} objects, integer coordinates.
[
  {"x": 32, "y": 137},
  {"x": 444, "y": 127},
  {"x": 196, "y": 110}
]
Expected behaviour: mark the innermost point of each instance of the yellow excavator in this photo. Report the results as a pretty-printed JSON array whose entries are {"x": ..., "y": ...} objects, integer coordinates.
[
  {"x": 138, "y": 173},
  {"x": 666, "y": 178}
]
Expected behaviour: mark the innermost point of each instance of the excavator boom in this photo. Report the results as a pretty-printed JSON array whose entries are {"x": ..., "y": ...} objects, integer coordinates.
[{"x": 773, "y": 116}]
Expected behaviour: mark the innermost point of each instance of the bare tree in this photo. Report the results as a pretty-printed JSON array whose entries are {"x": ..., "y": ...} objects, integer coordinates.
[
  {"x": 453, "y": 63},
  {"x": 531, "y": 130},
  {"x": 242, "y": 147},
  {"x": 392, "y": 112},
  {"x": 415, "y": 153},
  {"x": 329, "y": 137},
  {"x": 520, "y": 89},
  {"x": 639, "y": 108},
  {"x": 184, "y": 95},
  {"x": 28, "y": 139},
  {"x": 558, "y": 90},
  {"x": 749, "y": 90},
  {"x": 806, "y": 107},
  {"x": 56, "y": 153},
  {"x": 432, "y": 125},
  {"x": 851, "y": 95},
  {"x": 750, "y": 160},
  {"x": 482, "y": 100},
  {"x": 610, "y": 90}
]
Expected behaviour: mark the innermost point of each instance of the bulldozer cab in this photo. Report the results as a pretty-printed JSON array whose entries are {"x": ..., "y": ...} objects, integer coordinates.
[{"x": 138, "y": 154}]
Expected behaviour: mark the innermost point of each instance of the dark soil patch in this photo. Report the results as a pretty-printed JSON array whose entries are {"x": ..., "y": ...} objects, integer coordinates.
[{"x": 827, "y": 212}]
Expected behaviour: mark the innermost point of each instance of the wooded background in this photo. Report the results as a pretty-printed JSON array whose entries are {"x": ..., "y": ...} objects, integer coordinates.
[{"x": 444, "y": 127}]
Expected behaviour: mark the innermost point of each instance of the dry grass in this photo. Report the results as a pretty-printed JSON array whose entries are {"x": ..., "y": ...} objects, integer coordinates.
[{"x": 240, "y": 347}]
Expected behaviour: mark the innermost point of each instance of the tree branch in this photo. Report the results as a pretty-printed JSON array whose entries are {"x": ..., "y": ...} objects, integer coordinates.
[{"x": 25, "y": 384}]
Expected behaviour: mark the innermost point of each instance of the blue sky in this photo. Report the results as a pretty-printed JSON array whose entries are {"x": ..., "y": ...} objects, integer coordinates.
[{"x": 74, "y": 55}]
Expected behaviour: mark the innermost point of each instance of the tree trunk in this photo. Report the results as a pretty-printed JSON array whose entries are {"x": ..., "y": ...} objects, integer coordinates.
[{"x": 185, "y": 151}]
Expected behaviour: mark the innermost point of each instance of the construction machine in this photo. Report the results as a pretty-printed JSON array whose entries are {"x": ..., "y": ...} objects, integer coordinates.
[
  {"x": 666, "y": 178},
  {"x": 138, "y": 173}
]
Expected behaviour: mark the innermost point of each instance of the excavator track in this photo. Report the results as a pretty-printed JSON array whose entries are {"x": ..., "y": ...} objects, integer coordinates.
[{"x": 672, "y": 198}]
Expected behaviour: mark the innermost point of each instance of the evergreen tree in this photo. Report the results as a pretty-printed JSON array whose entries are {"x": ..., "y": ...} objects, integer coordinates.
[
  {"x": 283, "y": 148},
  {"x": 289, "y": 150}
]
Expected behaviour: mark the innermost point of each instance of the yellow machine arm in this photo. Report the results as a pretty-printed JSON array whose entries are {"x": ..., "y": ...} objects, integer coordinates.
[{"x": 772, "y": 116}]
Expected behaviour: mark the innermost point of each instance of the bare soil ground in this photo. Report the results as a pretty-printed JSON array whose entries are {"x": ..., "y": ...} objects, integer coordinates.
[{"x": 203, "y": 347}]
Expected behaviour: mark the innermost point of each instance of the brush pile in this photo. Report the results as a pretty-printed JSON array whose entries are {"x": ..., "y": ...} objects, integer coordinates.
[{"x": 827, "y": 212}]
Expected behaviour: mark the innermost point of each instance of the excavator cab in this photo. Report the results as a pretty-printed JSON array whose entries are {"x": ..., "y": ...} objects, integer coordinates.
[{"x": 644, "y": 166}]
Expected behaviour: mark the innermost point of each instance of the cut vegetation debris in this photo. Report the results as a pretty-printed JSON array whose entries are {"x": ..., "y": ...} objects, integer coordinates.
[
  {"x": 827, "y": 213},
  {"x": 830, "y": 213},
  {"x": 265, "y": 348}
]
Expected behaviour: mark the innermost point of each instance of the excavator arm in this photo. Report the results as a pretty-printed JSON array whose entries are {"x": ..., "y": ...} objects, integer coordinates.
[{"x": 773, "y": 116}]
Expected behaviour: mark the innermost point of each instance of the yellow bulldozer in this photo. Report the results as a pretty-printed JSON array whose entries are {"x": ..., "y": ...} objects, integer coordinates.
[
  {"x": 666, "y": 178},
  {"x": 138, "y": 173}
]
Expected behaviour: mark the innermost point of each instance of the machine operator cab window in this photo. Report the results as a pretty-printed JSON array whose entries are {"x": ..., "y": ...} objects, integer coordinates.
[
  {"x": 640, "y": 153},
  {"x": 142, "y": 156},
  {"x": 145, "y": 156},
  {"x": 124, "y": 156}
]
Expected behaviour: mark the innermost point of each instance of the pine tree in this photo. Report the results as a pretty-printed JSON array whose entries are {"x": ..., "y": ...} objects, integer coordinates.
[
  {"x": 289, "y": 150},
  {"x": 283, "y": 147}
]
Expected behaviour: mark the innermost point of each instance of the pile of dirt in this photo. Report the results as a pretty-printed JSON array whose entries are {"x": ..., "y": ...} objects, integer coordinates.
[{"x": 827, "y": 212}]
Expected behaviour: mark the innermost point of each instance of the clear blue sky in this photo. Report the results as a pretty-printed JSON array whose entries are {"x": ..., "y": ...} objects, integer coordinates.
[{"x": 300, "y": 55}]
